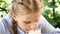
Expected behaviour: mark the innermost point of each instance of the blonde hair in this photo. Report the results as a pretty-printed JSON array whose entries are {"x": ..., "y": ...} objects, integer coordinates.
[{"x": 25, "y": 7}]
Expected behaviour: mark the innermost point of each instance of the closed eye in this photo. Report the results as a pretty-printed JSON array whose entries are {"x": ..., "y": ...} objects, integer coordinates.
[
  {"x": 21, "y": 3},
  {"x": 27, "y": 22}
]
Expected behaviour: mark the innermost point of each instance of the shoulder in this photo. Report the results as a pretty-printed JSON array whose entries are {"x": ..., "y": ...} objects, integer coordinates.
[
  {"x": 5, "y": 23},
  {"x": 2, "y": 28},
  {"x": 42, "y": 19}
]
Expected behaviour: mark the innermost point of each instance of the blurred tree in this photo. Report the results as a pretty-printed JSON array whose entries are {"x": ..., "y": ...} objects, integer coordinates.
[
  {"x": 51, "y": 15},
  {"x": 3, "y": 6}
]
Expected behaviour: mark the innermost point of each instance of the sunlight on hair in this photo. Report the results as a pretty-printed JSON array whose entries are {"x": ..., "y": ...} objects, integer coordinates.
[{"x": 9, "y": 1}]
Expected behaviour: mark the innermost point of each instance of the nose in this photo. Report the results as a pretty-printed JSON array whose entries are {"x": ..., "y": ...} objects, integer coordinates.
[{"x": 31, "y": 27}]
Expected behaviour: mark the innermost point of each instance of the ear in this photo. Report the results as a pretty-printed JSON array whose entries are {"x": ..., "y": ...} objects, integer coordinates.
[{"x": 14, "y": 17}]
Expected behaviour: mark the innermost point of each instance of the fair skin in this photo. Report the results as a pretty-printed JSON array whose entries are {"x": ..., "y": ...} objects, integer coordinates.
[{"x": 28, "y": 21}]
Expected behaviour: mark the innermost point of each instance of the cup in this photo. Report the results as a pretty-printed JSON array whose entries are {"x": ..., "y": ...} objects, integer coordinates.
[{"x": 37, "y": 31}]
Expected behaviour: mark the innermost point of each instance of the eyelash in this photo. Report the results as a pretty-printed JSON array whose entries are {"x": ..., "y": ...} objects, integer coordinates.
[
  {"x": 30, "y": 22},
  {"x": 27, "y": 22},
  {"x": 20, "y": 3}
]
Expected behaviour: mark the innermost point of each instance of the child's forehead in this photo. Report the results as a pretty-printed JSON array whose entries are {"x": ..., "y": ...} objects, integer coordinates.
[
  {"x": 29, "y": 16},
  {"x": 33, "y": 16}
]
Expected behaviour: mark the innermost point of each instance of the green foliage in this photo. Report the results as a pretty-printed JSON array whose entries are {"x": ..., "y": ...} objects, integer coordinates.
[
  {"x": 3, "y": 7},
  {"x": 53, "y": 16}
]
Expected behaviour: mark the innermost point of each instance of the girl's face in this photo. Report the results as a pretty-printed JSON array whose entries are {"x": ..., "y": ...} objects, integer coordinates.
[{"x": 27, "y": 22}]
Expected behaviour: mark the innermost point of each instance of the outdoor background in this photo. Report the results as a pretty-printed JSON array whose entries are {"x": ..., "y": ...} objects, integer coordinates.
[{"x": 51, "y": 12}]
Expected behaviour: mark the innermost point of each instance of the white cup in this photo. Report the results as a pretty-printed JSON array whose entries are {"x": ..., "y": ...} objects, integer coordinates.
[{"x": 38, "y": 31}]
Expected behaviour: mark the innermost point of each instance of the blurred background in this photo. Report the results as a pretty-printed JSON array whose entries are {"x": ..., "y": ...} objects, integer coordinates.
[{"x": 51, "y": 12}]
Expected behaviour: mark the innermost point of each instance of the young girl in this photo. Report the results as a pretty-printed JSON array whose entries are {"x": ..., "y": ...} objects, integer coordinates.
[{"x": 25, "y": 15}]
